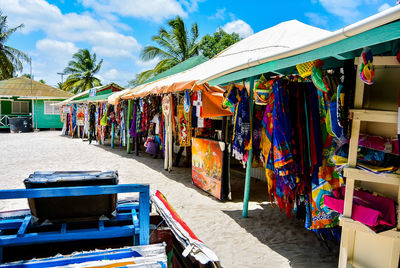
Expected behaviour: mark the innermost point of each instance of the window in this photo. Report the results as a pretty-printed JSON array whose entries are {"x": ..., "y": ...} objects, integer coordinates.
[
  {"x": 51, "y": 109},
  {"x": 20, "y": 107}
]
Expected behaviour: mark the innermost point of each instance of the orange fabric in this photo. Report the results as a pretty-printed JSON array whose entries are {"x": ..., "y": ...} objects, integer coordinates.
[
  {"x": 212, "y": 105},
  {"x": 175, "y": 87}
]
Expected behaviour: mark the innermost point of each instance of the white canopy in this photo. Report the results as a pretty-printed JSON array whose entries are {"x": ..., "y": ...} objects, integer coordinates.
[{"x": 281, "y": 37}]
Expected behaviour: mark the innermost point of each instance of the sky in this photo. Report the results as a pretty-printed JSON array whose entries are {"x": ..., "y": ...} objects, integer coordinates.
[{"x": 117, "y": 30}]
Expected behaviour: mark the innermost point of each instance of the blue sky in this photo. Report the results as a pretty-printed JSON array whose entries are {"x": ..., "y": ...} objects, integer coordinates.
[{"x": 117, "y": 30}]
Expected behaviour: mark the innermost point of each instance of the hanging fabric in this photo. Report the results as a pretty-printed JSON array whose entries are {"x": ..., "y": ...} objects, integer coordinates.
[{"x": 184, "y": 126}]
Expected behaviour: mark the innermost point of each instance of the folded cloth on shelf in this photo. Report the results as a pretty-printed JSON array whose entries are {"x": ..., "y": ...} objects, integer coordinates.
[{"x": 369, "y": 209}]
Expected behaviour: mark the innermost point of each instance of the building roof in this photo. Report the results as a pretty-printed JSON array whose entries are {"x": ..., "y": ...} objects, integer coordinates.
[
  {"x": 181, "y": 67},
  {"x": 25, "y": 87},
  {"x": 276, "y": 39},
  {"x": 85, "y": 94},
  {"x": 334, "y": 48}
]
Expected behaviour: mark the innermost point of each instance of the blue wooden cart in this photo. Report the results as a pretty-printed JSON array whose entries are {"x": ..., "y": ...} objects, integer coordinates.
[{"x": 20, "y": 230}]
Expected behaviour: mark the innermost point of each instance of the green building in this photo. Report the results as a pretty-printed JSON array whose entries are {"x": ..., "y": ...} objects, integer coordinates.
[{"x": 22, "y": 96}]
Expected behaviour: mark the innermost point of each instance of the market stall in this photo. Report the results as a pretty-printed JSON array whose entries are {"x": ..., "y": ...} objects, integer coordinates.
[
  {"x": 88, "y": 115},
  {"x": 328, "y": 135}
]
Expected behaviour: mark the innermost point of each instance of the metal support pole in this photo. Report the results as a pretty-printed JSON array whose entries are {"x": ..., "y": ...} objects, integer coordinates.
[
  {"x": 249, "y": 160},
  {"x": 128, "y": 126}
]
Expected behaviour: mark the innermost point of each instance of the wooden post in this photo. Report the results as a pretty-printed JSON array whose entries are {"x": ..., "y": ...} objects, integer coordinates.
[
  {"x": 249, "y": 160},
  {"x": 128, "y": 125}
]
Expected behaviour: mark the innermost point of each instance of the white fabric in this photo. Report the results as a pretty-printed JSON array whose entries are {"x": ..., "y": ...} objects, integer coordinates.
[
  {"x": 156, "y": 120},
  {"x": 279, "y": 38}
]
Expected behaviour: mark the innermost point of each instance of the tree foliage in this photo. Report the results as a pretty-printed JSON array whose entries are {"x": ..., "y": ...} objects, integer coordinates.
[
  {"x": 81, "y": 70},
  {"x": 11, "y": 59},
  {"x": 211, "y": 45},
  {"x": 173, "y": 45}
]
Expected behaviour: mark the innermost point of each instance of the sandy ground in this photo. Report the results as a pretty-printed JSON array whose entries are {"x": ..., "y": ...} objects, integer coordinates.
[{"x": 265, "y": 239}]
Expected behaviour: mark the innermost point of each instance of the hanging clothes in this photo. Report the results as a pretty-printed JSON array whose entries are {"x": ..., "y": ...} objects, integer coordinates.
[{"x": 241, "y": 140}]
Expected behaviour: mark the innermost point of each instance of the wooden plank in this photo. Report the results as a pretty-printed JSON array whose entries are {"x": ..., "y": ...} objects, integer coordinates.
[
  {"x": 24, "y": 225},
  {"x": 72, "y": 191},
  {"x": 362, "y": 175},
  {"x": 144, "y": 217},
  {"x": 374, "y": 116},
  {"x": 398, "y": 209},
  {"x": 394, "y": 260},
  {"x": 101, "y": 225},
  {"x": 358, "y": 226},
  {"x": 63, "y": 228},
  {"x": 353, "y": 147},
  {"x": 348, "y": 198},
  {"x": 381, "y": 60},
  {"x": 135, "y": 219},
  {"x": 346, "y": 247},
  {"x": 72, "y": 235}
]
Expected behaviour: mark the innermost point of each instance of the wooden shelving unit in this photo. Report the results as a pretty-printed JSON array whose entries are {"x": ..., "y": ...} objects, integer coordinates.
[{"x": 351, "y": 229}]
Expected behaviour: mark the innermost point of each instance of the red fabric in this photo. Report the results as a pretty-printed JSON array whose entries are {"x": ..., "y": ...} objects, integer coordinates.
[{"x": 175, "y": 215}]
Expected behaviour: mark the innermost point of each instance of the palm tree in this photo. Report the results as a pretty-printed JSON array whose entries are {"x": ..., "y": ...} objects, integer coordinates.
[
  {"x": 10, "y": 58},
  {"x": 82, "y": 69},
  {"x": 60, "y": 85},
  {"x": 174, "y": 46}
]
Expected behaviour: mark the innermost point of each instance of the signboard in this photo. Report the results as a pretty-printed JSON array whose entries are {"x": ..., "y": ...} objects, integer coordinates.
[
  {"x": 207, "y": 165},
  {"x": 92, "y": 92}
]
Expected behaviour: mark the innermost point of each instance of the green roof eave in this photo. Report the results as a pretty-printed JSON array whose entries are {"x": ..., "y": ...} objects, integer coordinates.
[
  {"x": 180, "y": 67},
  {"x": 103, "y": 95},
  {"x": 379, "y": 35}
]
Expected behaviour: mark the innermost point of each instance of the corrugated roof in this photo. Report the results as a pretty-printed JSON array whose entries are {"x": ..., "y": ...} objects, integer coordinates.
[
  {"x": 102, "y": 96},
  {"x": 25, "y": 87}
]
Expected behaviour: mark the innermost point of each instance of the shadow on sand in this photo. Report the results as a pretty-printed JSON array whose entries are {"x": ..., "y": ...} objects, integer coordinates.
[{"x": 288, "y": 237}]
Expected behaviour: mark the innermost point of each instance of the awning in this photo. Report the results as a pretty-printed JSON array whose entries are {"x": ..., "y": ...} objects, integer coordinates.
[
  {"x": 340, "y": 45},
  {"x": 279, "y": 38}
]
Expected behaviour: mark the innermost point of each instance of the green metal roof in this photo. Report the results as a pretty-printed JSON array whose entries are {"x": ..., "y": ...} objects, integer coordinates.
[
  {"x": 103, "y": 95},
  {"x": 378, "y": 39},
  {"x": 180, "y": 67}
]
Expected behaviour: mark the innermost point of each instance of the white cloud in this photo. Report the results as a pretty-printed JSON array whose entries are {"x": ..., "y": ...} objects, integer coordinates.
[
  {"x": 347, "y": 10},
  {"x": 384, "y": 7},
  {"x": 63, "y": 33},
  {"x": 220, "y": 14},
  {"x": 238, "y": 26},
  {"x": 72, "y": 27},
  {"x": 155, "y": 10},
  {"x": 50, "y": 57},
  {"x": 317, "y": 19}
]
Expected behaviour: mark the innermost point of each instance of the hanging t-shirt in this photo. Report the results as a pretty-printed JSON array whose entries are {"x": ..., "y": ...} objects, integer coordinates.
[{"x": 156, "y": 120}]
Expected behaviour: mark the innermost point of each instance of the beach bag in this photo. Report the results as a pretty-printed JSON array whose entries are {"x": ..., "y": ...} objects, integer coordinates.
[{"x": 151, "y": 147}]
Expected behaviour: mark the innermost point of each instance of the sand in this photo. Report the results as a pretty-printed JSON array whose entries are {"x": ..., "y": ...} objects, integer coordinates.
[{"x": 265, "y": 239}]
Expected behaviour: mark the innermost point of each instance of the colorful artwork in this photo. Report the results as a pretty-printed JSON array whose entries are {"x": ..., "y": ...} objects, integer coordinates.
[
  {"x": 185, "y": 127},
  {"x": 207, "y": 164}
]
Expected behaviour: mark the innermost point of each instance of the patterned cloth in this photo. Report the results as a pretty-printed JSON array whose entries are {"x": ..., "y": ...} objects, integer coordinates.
[{"x": 241, "y": 140}]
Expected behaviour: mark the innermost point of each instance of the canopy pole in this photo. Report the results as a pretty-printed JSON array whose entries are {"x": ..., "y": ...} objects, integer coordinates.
[
  {"x": 249, "y": 160},
  {"x": 128, "y": 126}
]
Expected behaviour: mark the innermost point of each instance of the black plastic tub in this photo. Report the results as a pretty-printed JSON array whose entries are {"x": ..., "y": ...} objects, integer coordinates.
[
  {"x": 72, "y": 208},
  {"x": 20, "y": 124}
]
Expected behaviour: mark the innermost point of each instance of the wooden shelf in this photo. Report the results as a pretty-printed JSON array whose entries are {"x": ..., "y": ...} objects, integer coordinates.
[
  {"x": 362, "y": 175},
  {"x": 358, "y": 226},
  {"x": 374, "y": 116}
]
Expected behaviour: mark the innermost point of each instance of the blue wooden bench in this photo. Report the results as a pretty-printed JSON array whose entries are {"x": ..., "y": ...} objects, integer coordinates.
[{"x": 26, "y": 234}]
